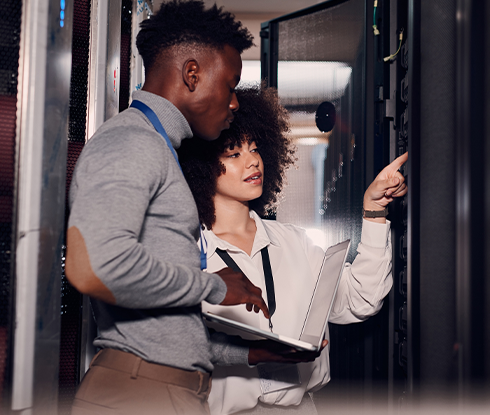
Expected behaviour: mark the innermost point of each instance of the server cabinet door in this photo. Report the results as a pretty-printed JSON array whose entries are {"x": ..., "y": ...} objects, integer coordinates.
[{"x": 317, "y": 59}]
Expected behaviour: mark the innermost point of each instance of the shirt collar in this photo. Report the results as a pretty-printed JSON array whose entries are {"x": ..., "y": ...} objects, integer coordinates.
[
  {"x": 172, "y": 119},
  {"x": 263, "y": 238}
]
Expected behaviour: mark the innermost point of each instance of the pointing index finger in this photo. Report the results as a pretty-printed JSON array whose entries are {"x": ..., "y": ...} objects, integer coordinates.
[
  {"x": 264, "y": 308},
  {"x": 399, "y": 161}
]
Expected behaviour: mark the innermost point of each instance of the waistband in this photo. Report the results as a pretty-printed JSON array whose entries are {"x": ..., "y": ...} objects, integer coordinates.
[{"x": 136, "y": 367}]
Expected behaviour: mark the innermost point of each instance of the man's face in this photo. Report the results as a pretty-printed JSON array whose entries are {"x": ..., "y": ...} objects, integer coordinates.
[{"x": 215, "y": 99}]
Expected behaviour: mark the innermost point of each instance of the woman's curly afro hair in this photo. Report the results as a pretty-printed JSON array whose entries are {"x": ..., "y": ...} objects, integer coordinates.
[
  {"x": 188, "y": 22},
  {"x": 261, "y": 119}
]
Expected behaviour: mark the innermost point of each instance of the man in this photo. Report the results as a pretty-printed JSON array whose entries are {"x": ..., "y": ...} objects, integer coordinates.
[{"x": 131, "y": 240}]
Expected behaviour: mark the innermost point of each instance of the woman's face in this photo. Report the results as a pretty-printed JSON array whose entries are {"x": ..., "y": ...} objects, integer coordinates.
[{"x": 244, "y": 175}]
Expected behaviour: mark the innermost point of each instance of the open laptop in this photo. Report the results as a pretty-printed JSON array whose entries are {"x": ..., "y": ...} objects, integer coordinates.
[{"x": 321, "y": 303}]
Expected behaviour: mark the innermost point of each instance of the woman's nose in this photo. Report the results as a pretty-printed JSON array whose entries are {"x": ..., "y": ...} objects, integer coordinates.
[{"x": 253, "y": 160}]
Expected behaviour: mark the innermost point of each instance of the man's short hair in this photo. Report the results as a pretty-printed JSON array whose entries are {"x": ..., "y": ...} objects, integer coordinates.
[{"x": 187, "y": 22}]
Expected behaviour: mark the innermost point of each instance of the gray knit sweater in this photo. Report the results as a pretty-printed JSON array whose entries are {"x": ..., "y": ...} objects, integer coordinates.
[{"x": 139, "y": 221}]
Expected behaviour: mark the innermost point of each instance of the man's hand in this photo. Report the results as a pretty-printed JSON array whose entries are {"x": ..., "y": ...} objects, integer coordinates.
[
  {"x": 241, "y": 291},
  {"x": 263, "y": 351},
  {"x": 389, "y": 183}
]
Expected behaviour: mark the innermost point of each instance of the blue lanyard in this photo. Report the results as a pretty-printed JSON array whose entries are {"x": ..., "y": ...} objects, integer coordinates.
[
  {"x": 152, "y": 117},
  {"x": 150, "y": 114}
]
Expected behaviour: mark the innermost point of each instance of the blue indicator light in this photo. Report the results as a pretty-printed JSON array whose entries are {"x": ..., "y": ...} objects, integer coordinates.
[{"x": 62, "y": 13}]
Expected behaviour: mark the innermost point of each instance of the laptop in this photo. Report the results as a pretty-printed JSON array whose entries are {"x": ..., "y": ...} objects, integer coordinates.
[{"x": 321, "y": 304}]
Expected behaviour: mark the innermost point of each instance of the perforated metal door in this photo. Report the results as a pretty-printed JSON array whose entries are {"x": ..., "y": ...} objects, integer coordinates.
[
  {"x": 10, "y": 22},
  {"x": 73, "y": 327}
]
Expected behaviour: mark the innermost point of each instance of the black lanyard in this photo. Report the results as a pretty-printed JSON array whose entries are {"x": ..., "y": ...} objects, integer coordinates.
[{"x": 269, "y": 281}]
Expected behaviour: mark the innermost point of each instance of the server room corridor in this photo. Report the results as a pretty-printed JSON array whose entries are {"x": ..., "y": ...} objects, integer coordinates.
[{"x": 363, "y": 81}]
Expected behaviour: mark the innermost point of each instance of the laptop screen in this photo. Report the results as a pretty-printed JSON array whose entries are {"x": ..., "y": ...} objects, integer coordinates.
[{"x": 324, "y": 295}]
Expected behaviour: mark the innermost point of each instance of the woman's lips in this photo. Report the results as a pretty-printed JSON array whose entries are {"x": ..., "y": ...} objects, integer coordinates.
[{"x": 254, "y": 178}]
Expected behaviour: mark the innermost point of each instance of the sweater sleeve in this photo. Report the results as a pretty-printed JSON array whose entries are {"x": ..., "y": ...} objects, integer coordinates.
[
  {"x": 228, "y": 350},
  {"x": 113, "y": 186}
]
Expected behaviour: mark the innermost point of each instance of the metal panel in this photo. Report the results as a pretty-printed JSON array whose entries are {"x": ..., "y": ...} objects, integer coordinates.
[
  {"x": 391, "y": 124},
  {"x": 44, "y": 76},
  {"x": 103, "y": 102},
  {"x": 97, "y": 67},
  {"x": 105, "y": 66},
  {"x": 71, "y": 299},
  {"x": 471, "y": 108},
  {"x": 486, "y": 228},
  {"x": 413, "y": 230},
  {"x": 142, "y": 10},
  {"x": 126, "y": 40},
  {"x": 437, "y": 243},
  {"x": 96, "y": 113},
  {"x": 113, "y": 68},
  {"x": 9, "y": 61}
]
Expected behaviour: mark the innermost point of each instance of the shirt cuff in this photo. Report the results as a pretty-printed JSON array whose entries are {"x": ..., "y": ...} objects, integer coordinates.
[
  {"x": 375, "y": 234},
  {"x": 218, "y": 294}
]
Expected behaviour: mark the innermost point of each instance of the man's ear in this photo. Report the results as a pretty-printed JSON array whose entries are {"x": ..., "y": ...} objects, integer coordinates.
[{"x": 190, "y": 74}]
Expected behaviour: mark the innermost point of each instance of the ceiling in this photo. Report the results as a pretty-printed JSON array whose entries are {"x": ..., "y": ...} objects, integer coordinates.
[
  {"x": 274, "y": 7},
  {"x": 253, "y": 12},
  {"x": 278, "y": 7}
]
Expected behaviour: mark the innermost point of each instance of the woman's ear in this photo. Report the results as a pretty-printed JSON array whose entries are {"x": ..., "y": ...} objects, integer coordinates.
[{"x": 190, "y": 74}]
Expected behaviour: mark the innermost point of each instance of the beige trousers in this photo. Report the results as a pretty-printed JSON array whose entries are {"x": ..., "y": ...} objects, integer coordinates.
[{"x": 124, "y": 384}]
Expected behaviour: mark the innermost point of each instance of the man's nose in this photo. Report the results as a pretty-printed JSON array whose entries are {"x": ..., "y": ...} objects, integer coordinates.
[{"x": 234, "y": 105}]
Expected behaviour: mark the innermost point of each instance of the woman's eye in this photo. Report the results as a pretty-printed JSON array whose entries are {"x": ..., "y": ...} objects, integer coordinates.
[{"x": 234, "y": 155}]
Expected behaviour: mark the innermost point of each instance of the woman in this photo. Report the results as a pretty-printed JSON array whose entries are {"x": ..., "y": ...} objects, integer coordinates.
[{"x": 237, "y": 179}]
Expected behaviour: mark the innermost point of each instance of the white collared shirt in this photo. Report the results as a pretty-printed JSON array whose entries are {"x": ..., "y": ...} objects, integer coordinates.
[{"x": 295, "y": 263}]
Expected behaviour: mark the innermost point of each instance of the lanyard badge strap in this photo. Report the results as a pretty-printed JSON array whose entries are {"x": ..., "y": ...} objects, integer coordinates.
[
  {"x": 153, "y": 118},
  {"x": 269, "y": 281}
]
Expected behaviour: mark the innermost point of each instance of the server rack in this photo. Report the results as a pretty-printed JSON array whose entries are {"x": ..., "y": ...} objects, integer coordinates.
[
  {"x": 430, "y": 98},
  {"x": 99, "y": 89},
  {"x": 44, "y": 67},
  {"x": 392, "y": 113},
  {"x": 355, "y": 154},
  {"x": 48, "y": 108},
  {"x": 9, "y": 73}
]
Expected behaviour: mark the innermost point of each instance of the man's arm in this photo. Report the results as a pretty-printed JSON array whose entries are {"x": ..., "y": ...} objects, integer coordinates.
[
  {"x": 233, "y": 350},
  {"x": 79, "y": 271},
  {"x": 115, "y": 181}
]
